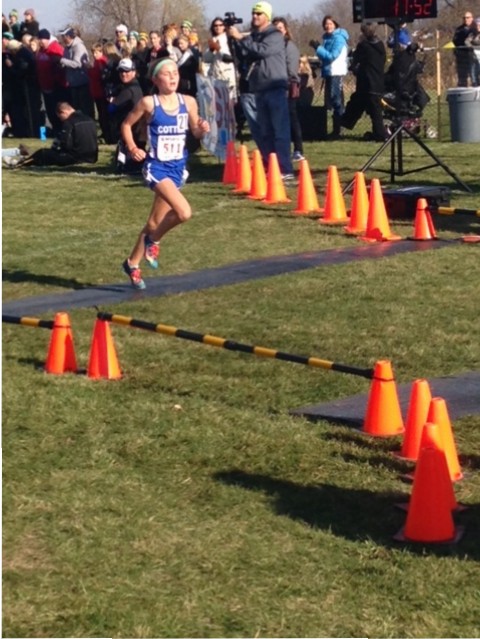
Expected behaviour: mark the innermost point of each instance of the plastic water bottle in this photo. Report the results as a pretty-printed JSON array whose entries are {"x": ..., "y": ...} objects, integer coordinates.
[{"x": 43, "y": 133}]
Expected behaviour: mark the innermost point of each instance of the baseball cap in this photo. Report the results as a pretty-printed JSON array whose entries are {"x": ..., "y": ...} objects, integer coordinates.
[
  {"x": 263, "y": 7},
  {"x": 44, "y": 34},
  {"x": 68, "y": 31},
  {"x": 127, "y": 64}
]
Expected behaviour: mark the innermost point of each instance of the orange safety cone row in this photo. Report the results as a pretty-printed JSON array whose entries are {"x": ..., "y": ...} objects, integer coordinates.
[
  {"x": 378, "y": 227},
  {"x": 438, "y": 414},
  {"x": 423, "y": 228},
  {"x": 103, "y": 361},
  {"x": 230, "y": 167},
  {"x": 307, "y": 201},
  {"x": 276, "y": 193},
  {"x": 429, "y": 518},
  {"x": 258, "y": 189},
  {"x": 244, "y": 172},
  {"x": 417, "y": 414},
  {"x": 359, "y": 208},
  {"x": 335, "y": 211},
  {"x": 383, "y": 417},
  {"x": 61, "y": 352}
]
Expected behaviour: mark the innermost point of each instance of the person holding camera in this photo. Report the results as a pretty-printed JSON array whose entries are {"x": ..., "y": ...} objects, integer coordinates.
[
  {"x": 333, "y": 54},
  {"x": 268, "y": 80}
]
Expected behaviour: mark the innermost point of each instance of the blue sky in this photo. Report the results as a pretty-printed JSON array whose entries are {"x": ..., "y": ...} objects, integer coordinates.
[{"x": 54, "y": 14}]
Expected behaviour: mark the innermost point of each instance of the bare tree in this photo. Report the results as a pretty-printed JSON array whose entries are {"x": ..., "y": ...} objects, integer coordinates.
[{"x": 99, "y": 18}]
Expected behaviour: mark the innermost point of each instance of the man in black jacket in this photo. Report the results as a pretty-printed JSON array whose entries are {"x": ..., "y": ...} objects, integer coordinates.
[
  {"x": 76, "y": 143},
  {"x": 369, "y": 67}
]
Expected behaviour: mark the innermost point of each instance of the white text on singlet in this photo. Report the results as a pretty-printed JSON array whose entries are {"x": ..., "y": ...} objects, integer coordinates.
[{"x": 171, "y": 139}]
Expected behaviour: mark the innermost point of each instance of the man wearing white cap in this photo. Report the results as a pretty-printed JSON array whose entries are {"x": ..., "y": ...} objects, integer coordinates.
[{"x": 268, "y": 80}]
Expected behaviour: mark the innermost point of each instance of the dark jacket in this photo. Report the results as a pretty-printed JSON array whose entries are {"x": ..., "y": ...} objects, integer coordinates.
[
  {"x": 368, "y": 64},
  {"x": 266, "y": 50},
  {"x": 78, "y": 137},
  {"x": 126, "y": 97}
]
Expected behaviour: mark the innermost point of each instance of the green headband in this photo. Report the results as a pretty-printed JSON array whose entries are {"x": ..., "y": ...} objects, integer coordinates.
[{"x": 160, "y": 64}]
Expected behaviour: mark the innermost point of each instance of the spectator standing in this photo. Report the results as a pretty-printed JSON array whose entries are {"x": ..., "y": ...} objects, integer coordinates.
[
  {"x": 333, "y": 54},
  {"x": 369, "y": 67},
  {"x": 187, "y": 67},
  {"x": 76, "y": 62},
  {"x": 14, "y": 24},
  {"x": 268, "y": 80},
  {"x": 121, "y": 36},
  {"x": 307, "y": 82},
  {"x": 29, "y": 24},
  {"x": 219, "y": 57},
  {"x": 139, "y": 56},
  {"x": 125, "y": 97},
  {"x": 51, "y": 76},
  {"x": 464, "y": 56},
  {"x": 95, "y": 75},
  {"x": 293, "y": 65},
  {"x": 170, "y": 116},
  {"x": 27, "y": 115},
  {"x": 402, "y": 34},
  {"x": 475, "y": 43}
]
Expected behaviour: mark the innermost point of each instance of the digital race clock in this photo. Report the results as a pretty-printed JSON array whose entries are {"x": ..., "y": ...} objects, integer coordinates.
[{"x": 396, "y": 10}]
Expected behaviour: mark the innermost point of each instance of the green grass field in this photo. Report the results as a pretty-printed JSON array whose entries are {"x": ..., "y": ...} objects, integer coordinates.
[{"x": 184, "y": 500}]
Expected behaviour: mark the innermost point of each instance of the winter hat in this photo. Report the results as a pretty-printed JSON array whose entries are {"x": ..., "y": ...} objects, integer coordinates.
[
  {"x": 44, "y": 34},
  {"x": 29, "y": 12},
  {"x": 7, "y": 35},
  {"x": 122, "y": 28},
  {"x": 12, "y": 13},
  {"x": 14, "y": 45},
  {"x": 127, "y": 64},
  {"x": 263, "y": 7},
  {"x": 134, "y": 34},
  {"x": 187, "y": 23}
]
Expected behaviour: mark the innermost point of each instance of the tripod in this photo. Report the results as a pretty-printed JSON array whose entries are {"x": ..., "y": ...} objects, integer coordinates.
[{"x": 395, "y": 141}]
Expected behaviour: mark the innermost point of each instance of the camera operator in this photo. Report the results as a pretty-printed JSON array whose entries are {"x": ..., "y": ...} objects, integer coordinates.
[{"x": 268, "y": 80}]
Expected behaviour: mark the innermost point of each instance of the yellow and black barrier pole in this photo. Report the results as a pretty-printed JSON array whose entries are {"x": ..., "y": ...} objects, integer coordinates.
[
  {"x": 220, "y": 342},
  {"x": 33, "y": 322}
]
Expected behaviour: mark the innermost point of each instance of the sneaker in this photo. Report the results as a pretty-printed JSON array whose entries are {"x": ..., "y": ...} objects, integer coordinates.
[
  {"x": 11, "y": 161},
  {"x": 288, "y": 177},
  {"x": 151, "y": 252},
  {"x": 297, "y": 156},
  {"x": 134, "y": 274}
]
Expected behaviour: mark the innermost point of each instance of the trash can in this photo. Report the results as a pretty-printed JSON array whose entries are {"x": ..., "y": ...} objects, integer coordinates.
[{"x": 464, "y": 109}]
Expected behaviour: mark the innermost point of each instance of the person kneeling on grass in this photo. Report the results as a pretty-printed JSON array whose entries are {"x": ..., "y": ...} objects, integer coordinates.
[
  {"x": 169, "y": 115},
  {"x": 76, "y": 143}
]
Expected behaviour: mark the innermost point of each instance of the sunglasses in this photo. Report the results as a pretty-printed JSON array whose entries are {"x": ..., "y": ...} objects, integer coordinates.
[
  {"x": 256, "y": 13},
  {"x": 219, "y": 24}
]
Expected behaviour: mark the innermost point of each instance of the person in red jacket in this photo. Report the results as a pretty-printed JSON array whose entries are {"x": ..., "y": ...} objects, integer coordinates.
[
  {"x": 51, "y": 77},
  {"x": 95, "y": 76}
]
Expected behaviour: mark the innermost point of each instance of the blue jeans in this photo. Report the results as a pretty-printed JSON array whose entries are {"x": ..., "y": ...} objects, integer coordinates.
[
  {"x": 274, "y": 121},
  {"x": 334, "y": 94},
  {"x": 249, "y": 107}
]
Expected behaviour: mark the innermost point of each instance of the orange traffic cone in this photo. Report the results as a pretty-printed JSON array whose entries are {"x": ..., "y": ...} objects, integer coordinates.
[
  {"x": 429, "y": 518},
  {"x": 103, "y": 361},
  {"x": 61, "y": 353},
  {"x": 438, "y": 414},
  {"x": 383, "y": 417},
  {"x": 276, "y": 193},
  {"x": 378, "y": 228},
  {"x": 359, "y": 210},
  {"x": 431, "y": 439},
  {"x": 307, "y": 201},
  {"x": 334, "y": 211},
  {"x": 230, "y": 167},
  {"x": 258, "y": 189},
  {"x": 424, "y": 229},
  {"x": 416, "y": 417},
  {"x": 244, "y": 172}
]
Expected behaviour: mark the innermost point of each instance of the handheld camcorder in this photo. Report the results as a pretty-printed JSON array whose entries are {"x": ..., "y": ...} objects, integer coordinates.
[{"x": 231, "y": 19}]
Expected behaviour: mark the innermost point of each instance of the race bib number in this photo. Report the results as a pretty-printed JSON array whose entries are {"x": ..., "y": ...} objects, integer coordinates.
[{"x": 170, "y": 147}]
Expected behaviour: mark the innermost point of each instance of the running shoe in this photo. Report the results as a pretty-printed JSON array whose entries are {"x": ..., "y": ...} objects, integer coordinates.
[
  {"x": 151, "y": 252},
  {"x": 134, "y": 274},
  {"x": 297, "y": 156}
]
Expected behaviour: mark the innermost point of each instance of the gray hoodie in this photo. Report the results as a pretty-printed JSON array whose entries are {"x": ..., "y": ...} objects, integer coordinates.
[
  {"x": 266, "y": 50},
  {"x": 75, "y": 62}
]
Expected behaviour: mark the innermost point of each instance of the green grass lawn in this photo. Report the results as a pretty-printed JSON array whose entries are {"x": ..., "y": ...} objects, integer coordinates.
[{"x": 184, "y": 500}]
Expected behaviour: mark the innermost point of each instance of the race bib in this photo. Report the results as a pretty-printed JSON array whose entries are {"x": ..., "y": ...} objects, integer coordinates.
[{"x": 170, "y": 147}]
